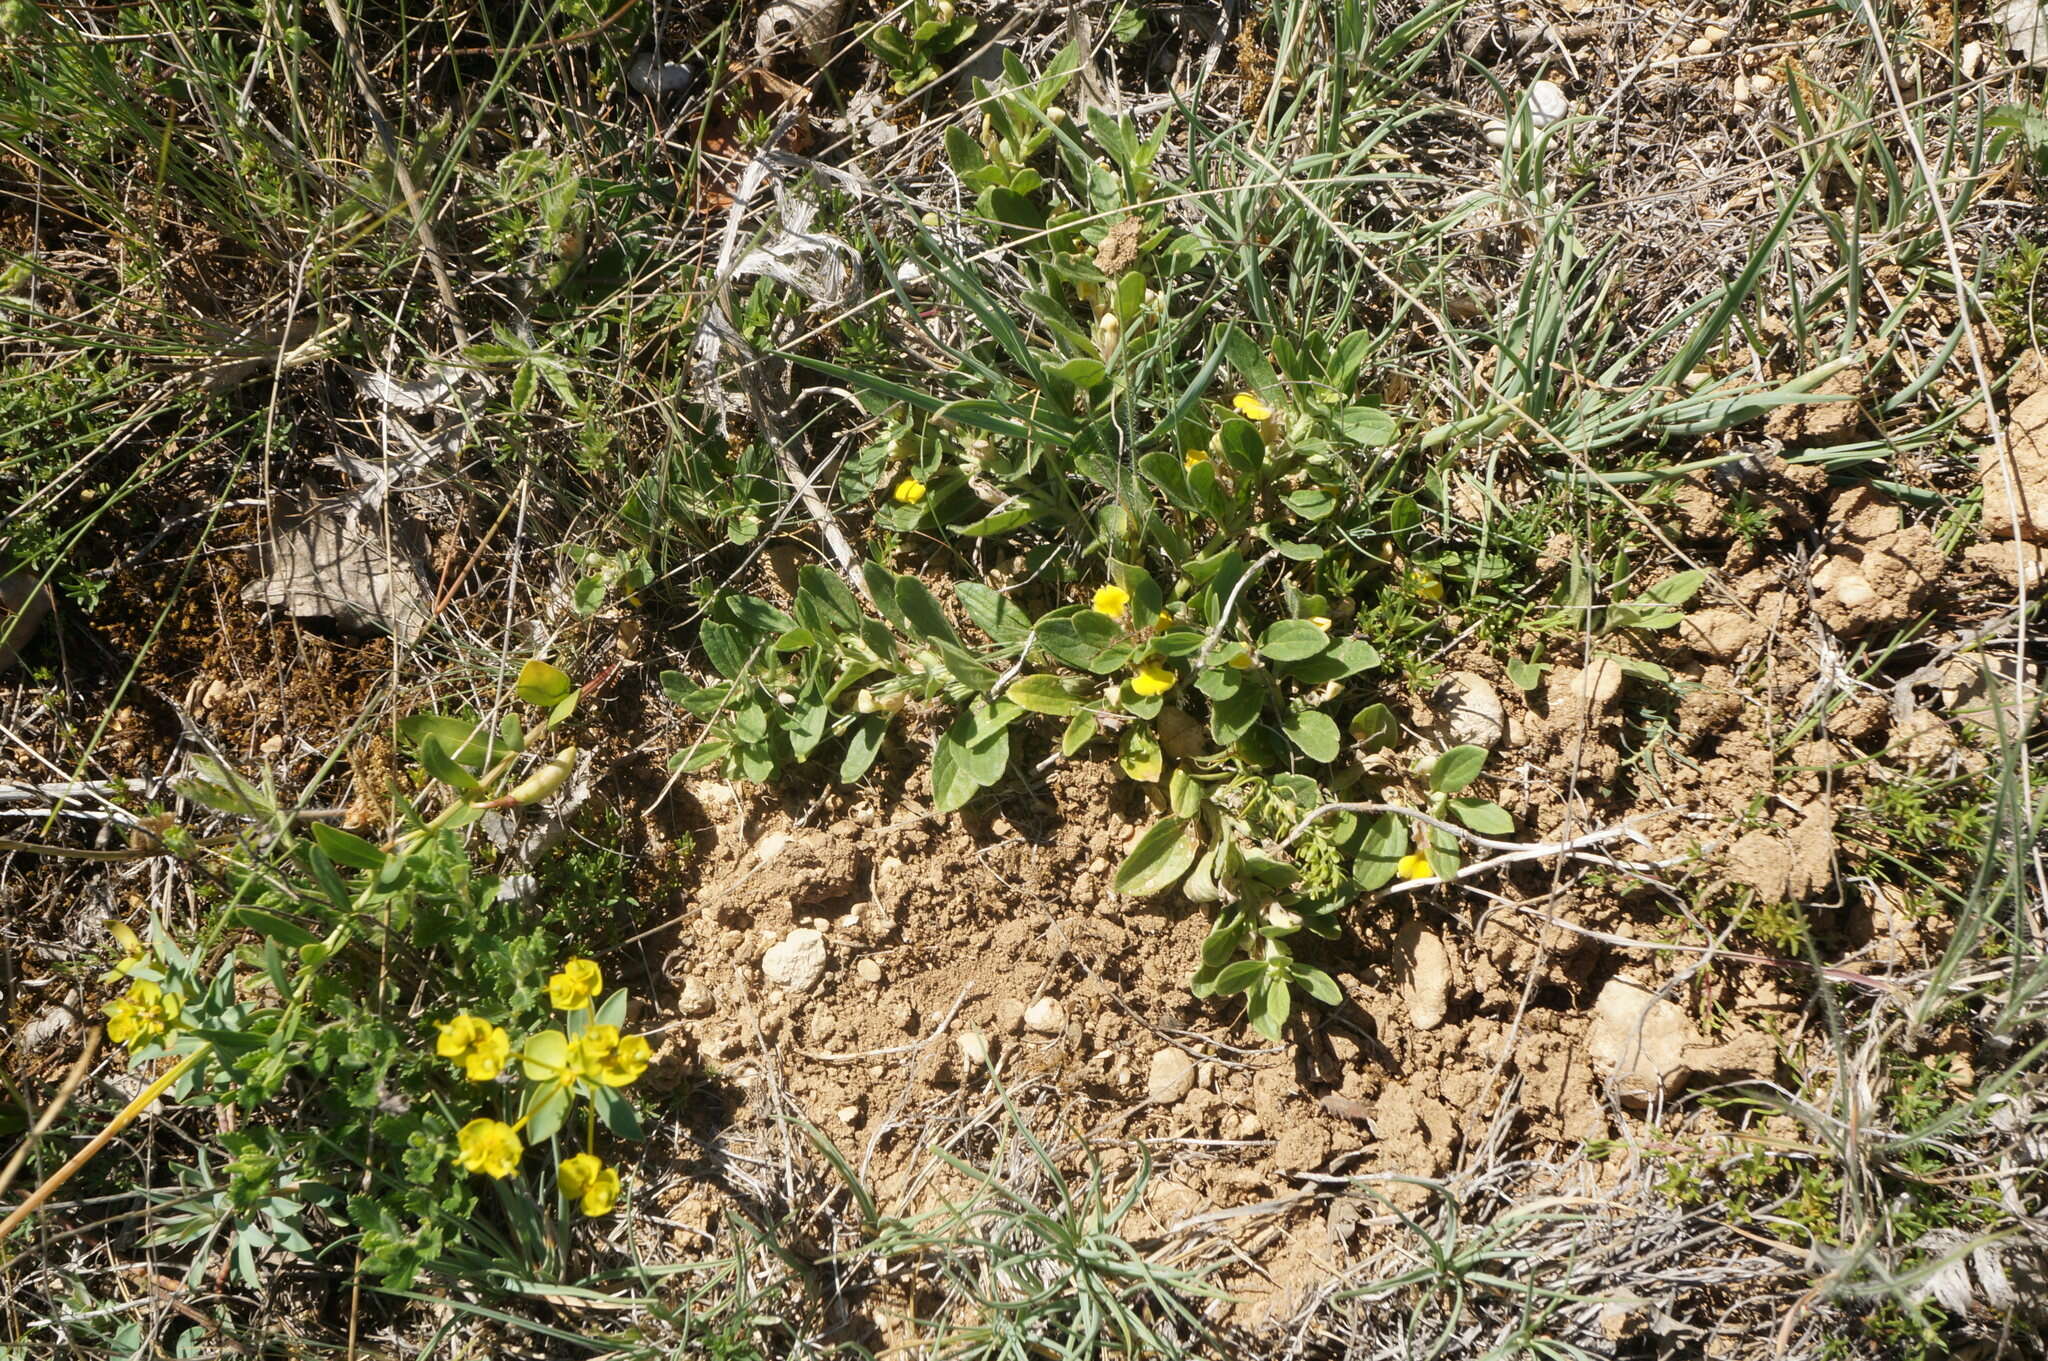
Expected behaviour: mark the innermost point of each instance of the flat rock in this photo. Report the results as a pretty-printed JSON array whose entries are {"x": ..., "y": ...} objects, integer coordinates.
[
  {"x": 2018, "y": 501},
  {"x": 694, "y": 999},
  {"x": 1426, "y": 988},
  {"x": 1638, "y": 1040},
  {"x": 797, "y": 961},
  {"x": 1171, "y": 1078},
  {"x": 1464, "y": 710}
]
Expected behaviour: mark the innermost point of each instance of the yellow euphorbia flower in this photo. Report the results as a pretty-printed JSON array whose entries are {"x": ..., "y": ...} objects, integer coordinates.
[
  {"x": 572, "y": 989},
  {"x": 1152, "y": 679},
  {"x": 910, "y": 491},
  {"x": 144, "y": 1013},
  {"x": 1415, "y": 865},
  {"x": 1112, "y": 601},
  {"x": 584, "y": 1177},
  {"x": 608, "y": 1058},
  {"x": 1251, "y": 408},
  {"x": 491, "y": 1147},
  {"x": 479, "y": 1047},
  {"x": 132, "y": 953}
]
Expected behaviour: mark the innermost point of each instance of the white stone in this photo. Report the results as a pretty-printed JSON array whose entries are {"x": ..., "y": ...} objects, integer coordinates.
[
  {"x": 1046, "y": 1016},
  {"x": 1547, "y": 104},
  {"x": 1172, "y": 1077},
  {"x": 695, "y": 998},
  {"x": 771, "y": 846},
  {"x": 650, "y": 76},
  {"x": 1495, "y": 132},
  {"x": 869, "y": 969},
  {"x": 797, "y": 961},
  {"x": 973, "y": 1047}
]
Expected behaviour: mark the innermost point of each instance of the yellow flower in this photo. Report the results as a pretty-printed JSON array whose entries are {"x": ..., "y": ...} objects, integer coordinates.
[
  {"x": 1415, "y": 865},
  {"x": 132, "y": 953},
  {"x": 1112, "y": 601},
  {"x": 609, "y": 1058},
  {"x": 144, "y": 1013},
  {"x": 1194, "y": 456},
  {"x": 578, "y": 982},
  {"x": 1425, "y": 584},
  {"x": 910, "y": 491},
  {"x": 491, "y": 1147},
  {"x": 1251, "y": 408},
  {"x": 1241, "y": 662},
  {"x": 477, "y": 1046},
  {"x": 1152, "y": 679},
  {"x": 597, "y": 1185},
  {"x": 1163, "y": 620},
  {"x": 1321, "y": 621}
]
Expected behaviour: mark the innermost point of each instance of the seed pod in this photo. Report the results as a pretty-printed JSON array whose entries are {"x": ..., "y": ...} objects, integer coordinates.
[{"x": 545, "y": 780}]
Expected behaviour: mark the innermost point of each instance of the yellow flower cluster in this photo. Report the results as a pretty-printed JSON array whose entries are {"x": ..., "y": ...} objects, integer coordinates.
[
  {"x": 608, "y": 1058},
  {"x": 575, "y": 985},
  {"x": 584, "y": 1177},
  {"x": 479, "y": 1047},
  {"x": 144, "y": 1013},
  {"x": 491, "y": 1147}
]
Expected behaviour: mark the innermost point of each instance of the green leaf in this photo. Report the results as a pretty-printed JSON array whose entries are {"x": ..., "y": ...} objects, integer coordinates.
[
  {"x": 1292, "y": 640},
  {"x": 1238, "y": 977},
  {"x": 467, "y": 742},
  {"x": 542, "y": 684},
  {"x": 1139, "y": 754},
  {"x": 617, "y": 1113},
  {"x": 1527, "y": 675},
  {"x": 1311, "y": 503},
  {"x": 443, "y": 768},
  {"x": 1456, "y": 768},
  {"x": 545, "y": 1055},
  {"x": 1081, "y": 371},
  {"x": 545, "y": 1105},
  {"x": 345, "y": 848},
  {"x": 1162, "y": 856},
  {"x": 1677, "y": 588},
  {"x": 922, "y": 613},
  {"x": 1314, "y": 732},
  {"x": 1379, "y": 856},
  {"x": 1320, "y": 985},
  {"x": 1368, "y": 426},
  {"x": 1062, "y": 696},
  {"x": 612, "y": 1010},
  {"x": 971, "y": 756},
  {"x": 1483, "y": 816},
  {"x": 1374, "y": 726},
  {"x": 862, "y": 747},
  {"x": 271, "y": 926},
  {"x": 992, "y": 613},
  {"x": 1084, "y": 639},
  {"x": 1271, "y": 1009},
  {"x": 1081, "y": 730}
]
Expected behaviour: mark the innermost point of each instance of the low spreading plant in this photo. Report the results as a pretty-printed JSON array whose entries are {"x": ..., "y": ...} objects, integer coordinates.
[{"x": 383, "y": 1020}]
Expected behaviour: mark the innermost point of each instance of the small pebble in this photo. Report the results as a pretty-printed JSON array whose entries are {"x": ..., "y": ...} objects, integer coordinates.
[
  {"x": 1496, "y": 133},
  {"x": 695, "y": 998},
  {"x": 848, "y": 1114},
  {"x": 1046, "y": 1016},
  {"x": 1547, "y": 103},
  {"x": 1172, "y": 1077},
  {"x": 869, "y": 969},
  {"x": 648, "y": 75},
  {"x": 1698, "y": 47}
]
